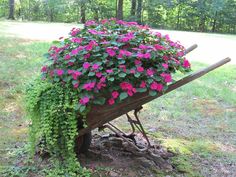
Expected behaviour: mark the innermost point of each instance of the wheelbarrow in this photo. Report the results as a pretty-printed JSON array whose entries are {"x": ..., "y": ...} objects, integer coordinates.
[{"x": 101, "y": 115}]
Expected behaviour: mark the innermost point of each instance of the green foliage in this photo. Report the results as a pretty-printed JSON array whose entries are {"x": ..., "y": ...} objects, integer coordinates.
[{"x": 51, "y": 108}]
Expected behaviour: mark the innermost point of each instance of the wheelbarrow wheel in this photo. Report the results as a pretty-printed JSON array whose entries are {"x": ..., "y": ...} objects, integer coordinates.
[{"x": 82, "y": 143}]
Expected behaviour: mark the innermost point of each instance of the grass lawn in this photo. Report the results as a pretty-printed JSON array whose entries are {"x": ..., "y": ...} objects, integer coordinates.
[{"x": 197, "y": 121}]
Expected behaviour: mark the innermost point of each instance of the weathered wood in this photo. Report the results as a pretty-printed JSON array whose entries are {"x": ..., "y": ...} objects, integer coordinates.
[{"x": 100, "y": 115}]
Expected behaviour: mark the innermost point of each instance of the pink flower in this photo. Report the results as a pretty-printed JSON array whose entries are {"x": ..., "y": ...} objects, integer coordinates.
[
  {"x": 165, "y": 65},
  {"x": 70, "y": 71},
  {"x": 111, "y": 101},
  {"x": 88, "y": 47},
  {"x": 156, "y": 86},
  {"x": 77, "y": 40},
  {"x": 95, "y": 66},
  {"x": 143, "y": 84},
  {"x": 60, "y": 72},
  {"x": 186, "y": 64},
  {"x": 44, "y": 69},
  {"x": 99, "y": 74},
  {"x": 86, "y": 65},
  {"x": 89, "y": 86},
  {"x": 132, "y": 71},
  {"x": 147, "y": 55},
  {"x": 110, "y": 52},
  {"x": 109, "y": 71},
  {"x": 159, "y": 47},
  {"x": 67, "y": 57},
  {"x": 76, "y": 74},
  {"x": 126, "y": 86},
  {"x": 137, "y": 62},
  {"x": 165, "y": 58},
  {"x": 140, "y": 55},
  {"x": 167, "y": 77},
  {"x": 143, "y": 47},
  {"x": 115, "y": 94},
  {"x": 75, "y": 31},
  {"x": 86, "y": 56},
  {"x": 180, "y": 54},
  {"x": 130, "y": 93},
  {"x": 76, "y": 85},
  {"x": 150, "y": 72},
  {"x": 140, "y": 69},
  {"x": 84, "y": 100},
  {"x": 74, "y": 52}
]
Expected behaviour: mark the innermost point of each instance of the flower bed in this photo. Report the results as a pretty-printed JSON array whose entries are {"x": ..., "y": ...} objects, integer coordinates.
[{"x": 103, "y": 63}]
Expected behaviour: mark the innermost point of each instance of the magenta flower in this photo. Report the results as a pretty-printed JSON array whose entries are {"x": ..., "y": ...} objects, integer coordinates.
[
  {"x": 84, "y": 100},
  {"x": 76, "y": 40},
  {"x": 156, "y": 86},
  {"x": 186, "y": 64},
  {"x": 130, "y": 93},
  {"x": 159, "y": 47},
  {"x": 109, "y": 71},
  {"x": 70, "y": 71},
  {"x": 132, "y": 71},
  {"x": 59, "y": 72},
  {"x": 150, "y": 72},
  {"x": 67, "y": 57},
  {"x": 126, "y": 86},
  {"x": 147, "y": 56},
  {"x": 44, "y": 69},
  {"x": 111, "y": 101},
  {"x": 143, "y": 84},
  {"x": 86, "y": 56},
  {"x": 95, "y": 66},
  {"x": 140, "y": 69},
  {"x": 89, "y": 86},
  {"x": 88, "y": 47},
  {"x": 137, "y": 62},
  {"x": 115, "y": 94},
  {"x": 86, "y": 65},
  {"x": 167, "y": 77},
  {"x": 166, "y": 66},
  {"x": 110, "y": 52},
  {"x": 140, "y": 55},
  {"x": 143, "y": 47},
  {"x": 76, "y": 85},
  {"x": 99, "y": 74},
  {"x": 76, "y": 74},
  {"x": 74, "y": 52}
]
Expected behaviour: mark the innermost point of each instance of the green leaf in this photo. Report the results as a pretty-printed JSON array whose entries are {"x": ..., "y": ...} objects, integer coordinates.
[
  {"x": 91, "y": 74},
  {"x": 152, "y": 93},
  {"x": 56, "y": 42},
  {"x": 141, "y": 90},
  {"x": 123, "y": 95},
  {"x": 137, "y": 74},
  {"x": 56, "y": 79},
  {"x": 100, "y": 101},
  {"x": 122, "y": 75},
  {"x": 111, "y": 79},
  {"x": 82, "y": 108}
]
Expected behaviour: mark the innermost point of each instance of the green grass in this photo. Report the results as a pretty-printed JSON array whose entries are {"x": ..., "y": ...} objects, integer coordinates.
[{"x": 197, "y": 121}]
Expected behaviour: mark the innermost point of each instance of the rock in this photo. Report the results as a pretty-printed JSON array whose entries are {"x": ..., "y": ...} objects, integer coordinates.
[
  {"x": 152, "y": 130},
  {"x": 113, "y": 174},
  {"x": 145, "y": 162}
]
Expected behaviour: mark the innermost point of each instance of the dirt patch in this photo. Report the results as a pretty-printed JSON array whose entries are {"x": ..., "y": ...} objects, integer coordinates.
[
  {"x": 122, "y": 159},
  {"x": 208, "y": 107}
]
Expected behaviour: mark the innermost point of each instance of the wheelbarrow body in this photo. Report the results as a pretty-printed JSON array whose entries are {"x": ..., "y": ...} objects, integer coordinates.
[{"x": 103, "y": 114}]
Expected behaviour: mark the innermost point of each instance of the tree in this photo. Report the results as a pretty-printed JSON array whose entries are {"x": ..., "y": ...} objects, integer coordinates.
[
  {"x": 11, "y": 9},
  {"x": 133, "y": 7},
  {"x": 120, "y": 10},
  {"x": 139, "y": 11}
]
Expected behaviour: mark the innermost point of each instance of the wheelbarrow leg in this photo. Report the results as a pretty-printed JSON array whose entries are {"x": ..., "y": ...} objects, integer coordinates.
[{"x": 135, "y": 124}]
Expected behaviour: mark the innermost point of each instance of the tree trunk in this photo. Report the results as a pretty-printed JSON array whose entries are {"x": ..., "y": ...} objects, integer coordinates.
[
  {"x": 11, "y": 9},
  {"x": 214, "y": 23},
  {"x": 120, "y": 10},
  {"x": 82, "y": 13},
  {"x": 133, "y": 7},
  {"x": 139, "y": 11}
]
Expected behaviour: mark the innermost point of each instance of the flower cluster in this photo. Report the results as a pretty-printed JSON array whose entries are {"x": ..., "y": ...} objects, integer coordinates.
[{"x": 111, "y": 60}]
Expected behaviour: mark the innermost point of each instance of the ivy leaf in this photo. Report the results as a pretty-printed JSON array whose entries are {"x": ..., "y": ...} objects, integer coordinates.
[
  {"x": 152, "y": 93},
  {"x": 140, "y": 90},
  {"x": 123, "y": 95},
  {"x": 100, "y": 101},
  {"x": 122, "y": 75}
]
